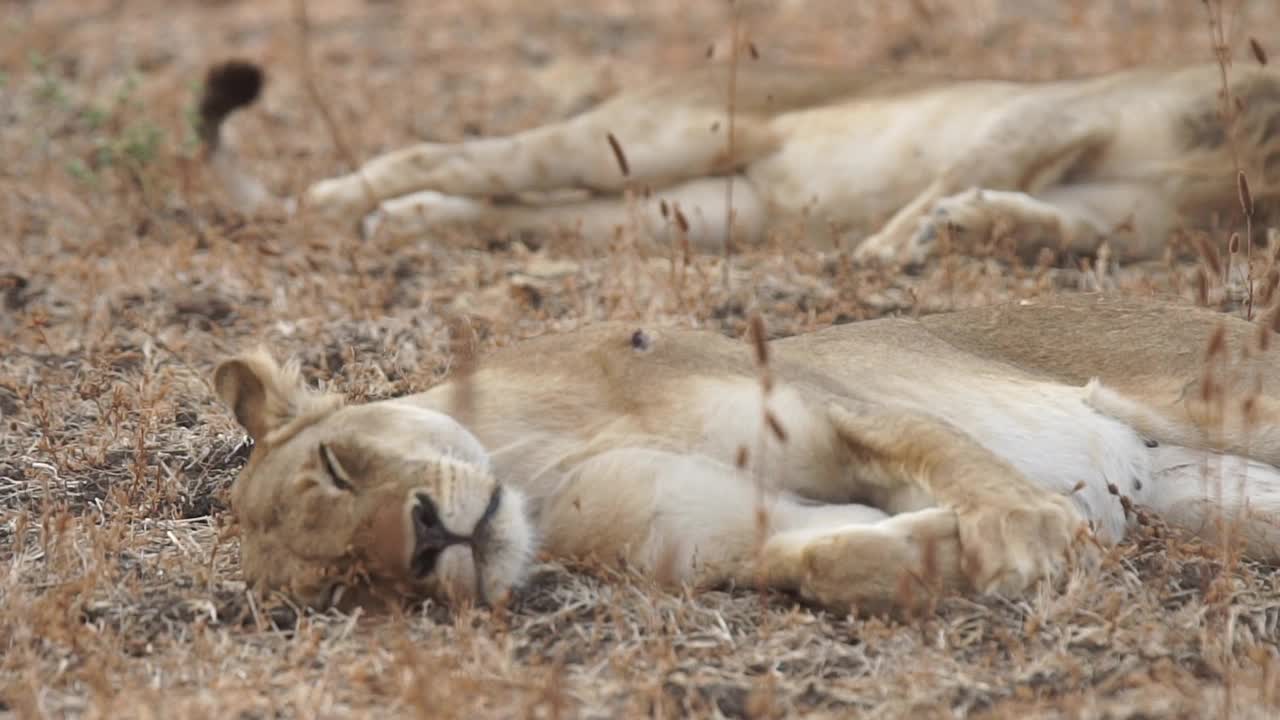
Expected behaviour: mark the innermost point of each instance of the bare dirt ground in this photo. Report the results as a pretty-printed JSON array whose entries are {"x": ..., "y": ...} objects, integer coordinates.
[{"x": 124, "y": 278}]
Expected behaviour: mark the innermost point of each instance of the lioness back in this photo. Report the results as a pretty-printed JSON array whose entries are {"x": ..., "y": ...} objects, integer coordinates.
[{"x": 1120, "y": 340}]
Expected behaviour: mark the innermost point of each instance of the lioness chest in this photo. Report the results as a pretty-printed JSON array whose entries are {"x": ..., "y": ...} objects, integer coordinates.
[{"x": 551, "y": 407}]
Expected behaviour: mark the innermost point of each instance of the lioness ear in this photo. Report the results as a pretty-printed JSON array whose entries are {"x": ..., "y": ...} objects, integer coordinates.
[{"x": 258, "y": 391}]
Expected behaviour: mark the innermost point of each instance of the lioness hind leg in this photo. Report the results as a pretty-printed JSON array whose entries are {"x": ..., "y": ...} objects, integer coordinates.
[
  {"x": 620, "y": 144},
  {"x": 1030, "y": 148},
  {"x": 693, "y": 210},
  {"x": 537, "y": 159}
]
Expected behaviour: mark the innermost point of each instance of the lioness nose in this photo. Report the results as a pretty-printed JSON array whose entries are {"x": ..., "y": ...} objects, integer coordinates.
[
  {"x": 430, "y": 536},
  {"x": 426, "y": 520}
]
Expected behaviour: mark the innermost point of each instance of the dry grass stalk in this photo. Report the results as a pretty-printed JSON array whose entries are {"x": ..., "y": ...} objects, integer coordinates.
[
  {"x": 463, "y": 356},
  {"x": 1258, "y": 53},
  {"x": 303, "y": 24},
  {"x": 760, "y": 347},
  {"x": 735, "y": 42},
  {"x": 621, "y": 158}
]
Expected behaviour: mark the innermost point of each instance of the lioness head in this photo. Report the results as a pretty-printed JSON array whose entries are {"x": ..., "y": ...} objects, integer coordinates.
[{"x": 366, "y": 504}]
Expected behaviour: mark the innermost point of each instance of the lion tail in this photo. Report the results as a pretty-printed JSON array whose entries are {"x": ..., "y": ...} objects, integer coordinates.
[{"x": 228, "y": 87}]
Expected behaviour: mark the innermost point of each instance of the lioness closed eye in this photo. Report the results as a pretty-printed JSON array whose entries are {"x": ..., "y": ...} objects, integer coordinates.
[
  {"x": 964, "y": 452},
  {"x": 891, "y": 164}
]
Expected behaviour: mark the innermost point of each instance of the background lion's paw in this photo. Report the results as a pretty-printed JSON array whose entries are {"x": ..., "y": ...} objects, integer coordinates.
[
  {"x": 965, "y": 216},
  {"x": 338, "y": 198}
]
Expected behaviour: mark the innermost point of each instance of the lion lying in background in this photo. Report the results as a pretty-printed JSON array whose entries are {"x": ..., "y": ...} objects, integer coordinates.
[
  {"x": 878, "y": 162},
  {"x": 866, "y": 467}
]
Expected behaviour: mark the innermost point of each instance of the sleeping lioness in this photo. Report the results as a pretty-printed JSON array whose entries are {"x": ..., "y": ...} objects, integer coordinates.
[
  {"x": 881, "y": 164},
  {"x": 865, "y": 467}
]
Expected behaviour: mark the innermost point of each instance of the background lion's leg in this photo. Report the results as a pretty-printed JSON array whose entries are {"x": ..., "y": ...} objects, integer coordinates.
[
  {"x": 606, "y": 150},
  {"x": 465, "y": 168},
  {"x": 693, "y": 210},
  {"x": 1072, "y": 219},
  {"x": 1030, "y": 149},
  {"x": 543, "y": 158}
]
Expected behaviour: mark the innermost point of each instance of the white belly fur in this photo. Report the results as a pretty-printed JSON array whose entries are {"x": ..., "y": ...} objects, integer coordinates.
[
  {"x": 1044, "y": 430},
  {"x": 1047, "y": 432},
  {"x": 857, "y": 166}
]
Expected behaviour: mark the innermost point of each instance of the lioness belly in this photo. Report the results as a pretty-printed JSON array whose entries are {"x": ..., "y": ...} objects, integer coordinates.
[
  {"x": 1043, "y": 429},
  {"x": 1046, "y": 431},
  {"x": 854, "y": 164}
]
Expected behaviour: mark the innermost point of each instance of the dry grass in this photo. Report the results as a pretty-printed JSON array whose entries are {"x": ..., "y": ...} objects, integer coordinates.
[{"x": 123, "y": 279}]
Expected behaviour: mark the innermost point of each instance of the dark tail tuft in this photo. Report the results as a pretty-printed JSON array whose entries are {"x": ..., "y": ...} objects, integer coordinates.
[{"x": 228, "y": 87}]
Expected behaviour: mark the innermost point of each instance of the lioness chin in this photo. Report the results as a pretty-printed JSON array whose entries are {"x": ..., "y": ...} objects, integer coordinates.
[{"x": 885, "y": 461}]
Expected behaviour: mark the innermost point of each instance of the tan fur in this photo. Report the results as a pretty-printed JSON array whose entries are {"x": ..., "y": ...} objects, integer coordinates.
[
  {"x": 890, "y": 460},
  {"x": 325, "y": 503},
  {"x": 878, "y": 162}
]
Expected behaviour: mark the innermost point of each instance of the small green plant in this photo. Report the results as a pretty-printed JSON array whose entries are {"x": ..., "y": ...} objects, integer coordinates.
[
  {"x": 122, "y": 136},
  {"x": 191, "y": 116},
  {"x": 140, "y": 143},
  {"x": 50, "y": 90},
  {"x": 80, "y": 172},
  {"x": 95, "y": 117}
]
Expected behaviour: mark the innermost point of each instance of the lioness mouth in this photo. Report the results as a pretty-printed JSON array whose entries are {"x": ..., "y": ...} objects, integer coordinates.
[{"x": 432, "y": 537}]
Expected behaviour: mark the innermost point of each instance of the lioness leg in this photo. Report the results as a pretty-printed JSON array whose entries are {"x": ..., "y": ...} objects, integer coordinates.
[
  {"x": 897, "y": 564},
  {"x": 620, "y": 144},
  {"x": 694, "y": 210},
  {"x": 1032, "y": 147},
  {"x": 537, "y": 159},
  {"x": 1012, "y": 532},
  {"x": 684, "y": 516},
  {"x": 690, "y": 519}
]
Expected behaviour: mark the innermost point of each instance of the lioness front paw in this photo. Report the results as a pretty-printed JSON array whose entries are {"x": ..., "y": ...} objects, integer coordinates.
[
  {"x": 901, "y": 564},
  {"x": 1007, "y": 549}
]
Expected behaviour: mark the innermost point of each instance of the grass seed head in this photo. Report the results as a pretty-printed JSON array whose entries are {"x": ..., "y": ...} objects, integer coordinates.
[{"x": 1246, "y": 197}]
